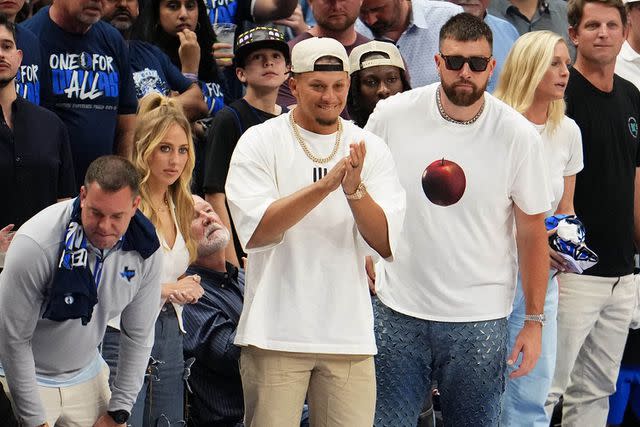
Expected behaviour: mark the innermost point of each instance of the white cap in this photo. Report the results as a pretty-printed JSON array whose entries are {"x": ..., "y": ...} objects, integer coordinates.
[
  {"x": 382, "y": 53},
  {"x": 630, "y": 1},
  {"x": 305, "y": 54}
]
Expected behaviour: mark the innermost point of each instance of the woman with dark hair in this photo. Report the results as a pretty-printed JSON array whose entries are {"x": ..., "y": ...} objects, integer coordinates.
[
  {"x": 182, "y": 30},
  {"x": 377, "y": 72}
]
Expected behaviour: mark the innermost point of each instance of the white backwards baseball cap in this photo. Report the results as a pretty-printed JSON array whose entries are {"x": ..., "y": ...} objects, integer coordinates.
[
  {"x": 305, "y": 54},
  {"x": 376, "y": 53}
]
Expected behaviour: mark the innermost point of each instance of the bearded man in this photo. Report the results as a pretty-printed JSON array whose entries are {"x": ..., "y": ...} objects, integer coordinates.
[
  {"x": 476, "y": 190},
  {"x": 309, "y": 202},
  {"x": 211, "y": 325}
]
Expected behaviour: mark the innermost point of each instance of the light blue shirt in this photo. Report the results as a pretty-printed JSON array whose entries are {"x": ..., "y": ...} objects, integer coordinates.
[
  {"x": 504, "y": 35},
  {"x": 418, "y": 44}
]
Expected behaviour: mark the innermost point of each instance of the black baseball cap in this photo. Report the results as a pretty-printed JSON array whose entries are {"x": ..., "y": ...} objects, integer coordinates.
[{"x": 259, "y": 38}]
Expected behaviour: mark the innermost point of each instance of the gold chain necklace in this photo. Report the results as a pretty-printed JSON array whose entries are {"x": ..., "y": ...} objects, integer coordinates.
[
  {"x": 306, "y": 149},
  {"x": 161, "y": 208},
  {"x": 451, "y": 119}
]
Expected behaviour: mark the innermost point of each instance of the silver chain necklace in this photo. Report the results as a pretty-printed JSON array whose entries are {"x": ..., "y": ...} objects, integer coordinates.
[
  {"x": 451, "y": 119},
  {"x": 306, "y": 149}
]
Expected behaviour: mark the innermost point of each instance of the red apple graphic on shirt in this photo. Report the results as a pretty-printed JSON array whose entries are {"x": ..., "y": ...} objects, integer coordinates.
[{"x": 443, "y": 182}]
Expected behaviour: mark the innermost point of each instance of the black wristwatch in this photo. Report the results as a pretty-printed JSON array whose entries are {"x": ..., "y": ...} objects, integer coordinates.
[{"x": 120, "y": 416}]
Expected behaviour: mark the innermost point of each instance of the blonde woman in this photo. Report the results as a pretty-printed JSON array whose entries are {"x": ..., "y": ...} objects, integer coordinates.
[
  {"x": 533, "y": 80},
  {"x": 164, "y": 157}
]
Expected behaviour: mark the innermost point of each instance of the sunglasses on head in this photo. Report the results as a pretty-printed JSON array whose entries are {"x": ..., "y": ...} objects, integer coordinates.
[{"x": 456, "y": 62}]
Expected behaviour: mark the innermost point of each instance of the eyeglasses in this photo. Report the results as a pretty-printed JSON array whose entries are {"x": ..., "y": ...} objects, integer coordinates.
[{"x": 456, "y": 62}]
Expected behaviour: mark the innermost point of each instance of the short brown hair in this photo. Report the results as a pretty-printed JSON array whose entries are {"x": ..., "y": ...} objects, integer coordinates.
[
  {"x": 113, "y": 173},
  {"x": 465, "y": 27},
  {"x": 575, "y": 9}
]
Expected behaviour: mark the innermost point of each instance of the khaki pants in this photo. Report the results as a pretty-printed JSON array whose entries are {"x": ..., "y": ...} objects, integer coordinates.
[
  {"x": 593, "y": 322},
  {"x": 341, "y": 389},
  {"x": 79, "y": 405}
]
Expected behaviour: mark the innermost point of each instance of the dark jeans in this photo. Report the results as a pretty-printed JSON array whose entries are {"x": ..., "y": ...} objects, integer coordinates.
[
  {"x": 467, "y": 359},
  {"x": 6, "y": 413},
  {"x": 160, "y": 403}
]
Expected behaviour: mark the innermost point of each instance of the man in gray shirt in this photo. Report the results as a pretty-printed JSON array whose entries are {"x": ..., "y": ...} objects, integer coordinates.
[
  {"x": 535, "y": 15},
  {"x": 70, "y": 269}
]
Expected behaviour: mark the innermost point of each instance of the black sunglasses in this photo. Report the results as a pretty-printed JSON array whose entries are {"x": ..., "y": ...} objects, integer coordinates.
[{"x": 456, "y": 62}]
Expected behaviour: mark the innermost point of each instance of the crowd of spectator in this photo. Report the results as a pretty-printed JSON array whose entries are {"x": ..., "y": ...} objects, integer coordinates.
[{"x": 326, "y": 219}]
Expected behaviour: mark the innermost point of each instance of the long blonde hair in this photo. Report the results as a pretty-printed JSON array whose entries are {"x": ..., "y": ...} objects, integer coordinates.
[
  {"x": 523, "y": 70},
  {"x": 156, "y": 114}
]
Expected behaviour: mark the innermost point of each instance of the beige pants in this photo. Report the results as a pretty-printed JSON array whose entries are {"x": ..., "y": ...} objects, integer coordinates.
[
  {"x": 79, "y": 405},
  {"x": 341, "y": 389},
  {"x": 593, "y": 322}
]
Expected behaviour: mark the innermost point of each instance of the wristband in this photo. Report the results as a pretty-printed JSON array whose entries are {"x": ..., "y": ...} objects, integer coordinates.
[{"x": 191, "y": 76}]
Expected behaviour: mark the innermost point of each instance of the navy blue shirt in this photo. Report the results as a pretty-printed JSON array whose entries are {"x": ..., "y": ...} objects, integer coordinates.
[
  {"x": 27, "y": 78},
  {"x": 35, "y": 162},
  {"x": 153, "y": 71},
  {"x": 87, "y": 82},
  {"x": 211, "y": 325}
]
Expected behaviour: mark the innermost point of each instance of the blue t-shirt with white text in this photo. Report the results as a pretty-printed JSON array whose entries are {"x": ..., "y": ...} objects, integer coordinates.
[
  {"x": 27, "y": 77},
  {"x": 87, "y": 82},
  {"x": 213, "y": 96},
  {"x": 153, "y": 71}
]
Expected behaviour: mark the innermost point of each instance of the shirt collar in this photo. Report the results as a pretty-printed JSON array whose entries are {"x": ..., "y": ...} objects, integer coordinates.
[
  {"x": 217, "y": 277},
  {"x": 544, "y": 6},
  {"x": 104, "y": 253},
  {"x": 16, "y": 105},
  {"x": 503, "y": 6}
]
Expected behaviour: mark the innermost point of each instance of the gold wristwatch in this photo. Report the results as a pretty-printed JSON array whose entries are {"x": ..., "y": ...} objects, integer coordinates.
[{"x": 360, "y": 192}]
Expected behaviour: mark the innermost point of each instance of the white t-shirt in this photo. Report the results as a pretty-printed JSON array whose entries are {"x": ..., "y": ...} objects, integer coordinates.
[
  {"x": 563, "y": 154},
  {"x": 308, "y": 292},
  {"x": 458, "y": 263},
  {"x": 628, "y": 64}
]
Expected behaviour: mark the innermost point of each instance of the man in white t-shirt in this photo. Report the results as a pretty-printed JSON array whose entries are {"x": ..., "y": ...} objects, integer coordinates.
[
  {"x": 628, "y": 60},
  {"x": 473, "y": 170},
  {"x": 311, "y": 195}
]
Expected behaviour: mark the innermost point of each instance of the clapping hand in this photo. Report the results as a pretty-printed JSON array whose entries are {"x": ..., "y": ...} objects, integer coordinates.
[
  {"x": 187, "y": 290},
  {"x": 354, "y": 163}
]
